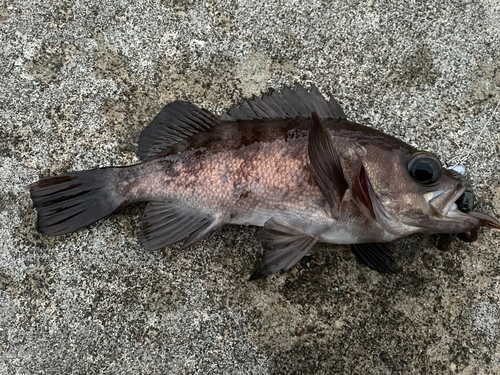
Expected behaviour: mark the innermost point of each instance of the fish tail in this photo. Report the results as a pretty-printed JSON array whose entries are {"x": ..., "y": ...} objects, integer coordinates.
[{"x": 73, "y": 200}]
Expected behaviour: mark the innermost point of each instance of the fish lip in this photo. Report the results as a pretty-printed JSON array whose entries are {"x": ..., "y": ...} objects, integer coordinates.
[{"x": 453, "y": 200}]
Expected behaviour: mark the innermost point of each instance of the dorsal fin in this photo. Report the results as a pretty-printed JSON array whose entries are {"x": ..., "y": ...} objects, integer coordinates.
[
  {"x": 176, "y": 121},
  {"x": 290, "y": 104},
  {"x": 179, "y": 120}
]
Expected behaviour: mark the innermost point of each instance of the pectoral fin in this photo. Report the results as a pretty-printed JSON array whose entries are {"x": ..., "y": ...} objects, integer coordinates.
[
  {"x": 325, "y": 165},
  {"x": 377, "y": 256},
  {"x": 282, "y": 246}
]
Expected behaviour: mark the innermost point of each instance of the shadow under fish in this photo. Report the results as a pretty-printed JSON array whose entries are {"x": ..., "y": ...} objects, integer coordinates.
[{"x": 291, "y": 163}]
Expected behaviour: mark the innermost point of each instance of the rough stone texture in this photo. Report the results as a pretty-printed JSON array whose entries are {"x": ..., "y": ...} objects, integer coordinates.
[{"x": 81, "y": 78}]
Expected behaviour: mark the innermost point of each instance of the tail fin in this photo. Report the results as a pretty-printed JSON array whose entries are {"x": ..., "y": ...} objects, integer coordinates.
[{"x": 74, "y": 200}]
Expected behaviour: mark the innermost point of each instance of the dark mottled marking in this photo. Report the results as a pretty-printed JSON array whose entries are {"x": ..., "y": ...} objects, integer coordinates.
[{"x": 245, "y": 194}]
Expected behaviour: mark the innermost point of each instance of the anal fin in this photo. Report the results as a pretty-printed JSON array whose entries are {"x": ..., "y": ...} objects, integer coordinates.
[
  {"x": 377, "y": 256},
  {"x": 282, "y": 246},
  {"x": 166, "y": 223}
]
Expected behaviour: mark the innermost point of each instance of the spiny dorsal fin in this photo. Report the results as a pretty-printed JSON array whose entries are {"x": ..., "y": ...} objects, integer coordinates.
[
  {"x": 290, "y": 104},
  {"x": 176, "y": 121}
]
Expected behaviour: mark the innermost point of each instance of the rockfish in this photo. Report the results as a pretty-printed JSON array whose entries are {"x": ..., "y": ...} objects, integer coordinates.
[{"x": 290, "y": 163}]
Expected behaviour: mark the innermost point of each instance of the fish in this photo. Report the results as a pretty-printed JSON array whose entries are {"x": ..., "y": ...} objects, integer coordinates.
[{"x": 289, "y": 162}]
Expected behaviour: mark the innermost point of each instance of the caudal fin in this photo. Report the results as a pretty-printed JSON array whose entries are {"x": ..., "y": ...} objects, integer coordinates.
[{"x": 74, "y": 200}]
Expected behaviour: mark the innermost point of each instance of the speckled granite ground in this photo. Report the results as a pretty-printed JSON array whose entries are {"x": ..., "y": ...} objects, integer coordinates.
[{"x": 80, "y": 79}]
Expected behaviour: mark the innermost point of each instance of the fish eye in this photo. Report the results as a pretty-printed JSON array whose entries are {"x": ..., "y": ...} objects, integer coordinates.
[{"x": 424, "y": 168}]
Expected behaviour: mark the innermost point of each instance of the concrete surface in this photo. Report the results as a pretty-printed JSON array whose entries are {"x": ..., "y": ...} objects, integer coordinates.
[{"x": 81, "y": 78}]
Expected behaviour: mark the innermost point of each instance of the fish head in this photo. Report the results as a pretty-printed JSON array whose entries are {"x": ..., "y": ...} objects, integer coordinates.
[{"x": 411, "y": 192}]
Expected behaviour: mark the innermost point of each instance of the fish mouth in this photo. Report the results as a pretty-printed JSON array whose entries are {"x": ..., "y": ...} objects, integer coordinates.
[
  {"x": 451, "y": 211},
  {"x": 451, "y": 207}
]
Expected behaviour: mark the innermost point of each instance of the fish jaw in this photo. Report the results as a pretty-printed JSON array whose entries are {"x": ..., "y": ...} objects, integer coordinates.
[
  {"x": 477, "y": 219},
  {"x": 456, "y": 221}
]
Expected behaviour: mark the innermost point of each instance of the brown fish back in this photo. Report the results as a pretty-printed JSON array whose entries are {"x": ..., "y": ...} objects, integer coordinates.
[{"x": 182, "y": 126}]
